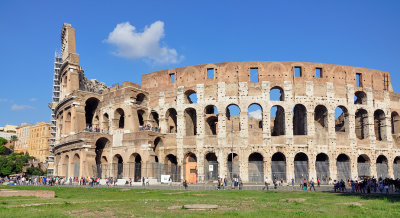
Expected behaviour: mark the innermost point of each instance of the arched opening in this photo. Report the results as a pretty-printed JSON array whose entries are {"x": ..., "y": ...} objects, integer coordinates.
[
  {"x": 299, "y": 120},
  {"x": 96, "y": 123},
  {"x": 140, "y": 114},
  {"x": 322, "y": 166},
  {"x": 341, "y": 119},
  {"x": 276, "y": 94},
  {"x": 379, "y": 125},
  {"x": 90, "y": 108},
  {"x": 171, "y": 120},
  {"x": 256, "y": 168},
  {"x": 233, "y": 166},
  {"x": 210, "y": 167},
  {"x": 363, "y": 166},
  {"x": 396, "y": 167},
  {"x": 140, "y": 98},
  {"x": 171, "y": 167},
  {"x": 154, "y": 119},
  {"x": 119, "y": 117},
  {"x": 211, "y": 118},
  {"x": 101, "y": 168},
  {"x": 360, "y": 97},
  {"x": 191, "y": 168},
  {"x": 158, "y": 142},
  {"x": 278, "y": 166},
  {"x": 190, "y": 122},
  {"x": 66, "y": 166},
  {"x": 300, "y": 167},
  {"x": 382, "y": 167},
  {"x": 395, "y": 121},
  {"x": 68, "y": 123},
  {"x": 136, "y": 159},
  {"x": 343, "y": 167},
  {"x": 277, "y": 117},
  {"x": 190, "y": 97},
  {"x": 76, "y": 163},
  {"x": 255, "y": 118},
  {"x": 118, "y": 166},
  {"x": 361, "y": 124},
  {"x": 321, "y": 117},
  {"x": 233, "y": 118},
  {"x": 106, "y": 123}
]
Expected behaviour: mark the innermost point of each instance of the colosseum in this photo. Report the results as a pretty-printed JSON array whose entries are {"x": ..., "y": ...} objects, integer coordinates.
[{"x": 251, "y": 119}]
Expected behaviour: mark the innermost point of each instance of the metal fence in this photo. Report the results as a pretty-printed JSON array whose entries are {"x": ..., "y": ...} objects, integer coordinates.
[
  {"x": 343, "y": 170},
  {"x": 256, "y": 171},
  {"x": 210, "y": 170},
  {"x": 136, "y": 171},
  {"x": 396, "y": 170},
  {"x": 234, "y": 170},
  {"x": 363, "y": 170},
  {"x": 322, "y": 169},
  {"x": 278, "y": 170},
  {"x": 300, "y": 170},
  {"x": 382, "y": 170}
]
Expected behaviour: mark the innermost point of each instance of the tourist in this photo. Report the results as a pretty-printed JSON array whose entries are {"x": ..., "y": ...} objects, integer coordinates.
[
  {"x": 312, "y": 184},
  {"x": 305, "y": 184},
  {"x": 353, "y": 186},
  {"x": 185, "y": 185},
  {"x": 266, "y": 184},
  {"x": 292, "y": 182}
]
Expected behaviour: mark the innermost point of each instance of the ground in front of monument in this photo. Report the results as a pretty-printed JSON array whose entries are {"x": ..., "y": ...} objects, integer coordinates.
[{"x": 122, "y": 202}]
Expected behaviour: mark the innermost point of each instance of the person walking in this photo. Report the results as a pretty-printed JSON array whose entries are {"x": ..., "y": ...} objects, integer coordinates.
[
  {"x": 266, "y": 184},
  {"x": 312, "y": 184}
]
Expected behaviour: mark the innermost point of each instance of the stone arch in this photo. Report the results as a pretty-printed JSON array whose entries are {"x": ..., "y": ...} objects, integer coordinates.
[
  {"x": 66, "y": 167},
  {"x": 363, "y": 166},
  {"x": 322, "y": 166},
  {"x": 118, "y": 166},
  {"x": 76, "y": 163},
  {"x": 380, "y": 125},
  {"x": 96, "y": 122},
  {"x": 276, "y": 93},
  {"x": 141, "y": 98},
  {"x": 361, "y": 124},
  {"x": 343, "y": 167},
  {"x": 155, "y": 120},
  {"x": 190, "y": 97},
  {"x": 190, "y": 117},
  {"x": 210, "y": 167},
  {"x": 256, "y": 167},
  {"x": 136, "y": 170},
  {"x": 395, "y": 122},
  {"x": 255, "y": 117},
  {"x": 190, "y": 167},
  {"x": 171, "y": 167},
  {"x": 211, "y": 120},
  {"x": 171, "y": 120},
  {"x": 101, "y": 168},
  {"x": 396, "y": 167},
  {"x": 300, "y": 167},
  {"x": 277, "y": 117},
  {"x": 106, "y": 122},
  {"x": 382, "y": 166},
  {"x": 141, "y": 117},
  {"x": 341, "y": 119},
  {"x": 68, "y": 123},
  {"x": 158, "y": 142},
  {"x": 321, "y": 116},
  {"x": 91, "y": 105},
  {"x": 119, "y": 117},
  {"x": 299, "y": 120},
  {"x": 233, "y": 166},
  {"x": 278, "y": 166},
  {"x": 360, "y": 97},
  {"x": 233, "y": 118}
]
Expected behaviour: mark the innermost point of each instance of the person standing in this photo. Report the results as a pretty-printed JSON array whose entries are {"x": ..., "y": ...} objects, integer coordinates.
[
  {"x": 312, "y": 184},
  {"x": 266, "y": 184}
]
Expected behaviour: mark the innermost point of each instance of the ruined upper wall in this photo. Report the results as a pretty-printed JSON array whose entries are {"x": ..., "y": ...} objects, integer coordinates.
[{"x": 276, "y": 72}]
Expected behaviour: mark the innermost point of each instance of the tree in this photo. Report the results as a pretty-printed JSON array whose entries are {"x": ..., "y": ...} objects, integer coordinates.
[
  {"x": 3, "y": 141},
  {"x": 14, "y": 138},
  {"x": 13, "y": 163},
  {"x": 34, "y": 171}
]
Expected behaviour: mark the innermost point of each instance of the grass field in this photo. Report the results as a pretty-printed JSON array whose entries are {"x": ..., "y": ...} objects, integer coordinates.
[{"x": 107, "y": 202}]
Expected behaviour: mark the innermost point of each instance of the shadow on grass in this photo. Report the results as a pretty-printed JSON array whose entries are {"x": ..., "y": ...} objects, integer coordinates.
[{"x": 393, "y": 198}]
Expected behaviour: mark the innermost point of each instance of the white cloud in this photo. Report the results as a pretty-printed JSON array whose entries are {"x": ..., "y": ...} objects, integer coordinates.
[
  {"x": 33, "y": 99},
  {"x": 16, "y": 107},
  {"x": 146, "y": 44},
  {"x": 257, "y": 114}
]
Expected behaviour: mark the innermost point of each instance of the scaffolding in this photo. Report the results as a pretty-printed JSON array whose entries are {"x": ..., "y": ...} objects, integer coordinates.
[{"x": 54, "y": 102}]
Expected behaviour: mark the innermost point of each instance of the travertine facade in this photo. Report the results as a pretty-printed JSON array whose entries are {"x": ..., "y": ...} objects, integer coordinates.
[{"x": 179, "y": 122}]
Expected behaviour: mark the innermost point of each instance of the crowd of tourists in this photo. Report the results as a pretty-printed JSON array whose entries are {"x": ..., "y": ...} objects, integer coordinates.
[
  {"x": 150, "y": 128},
  {"x": 370, "y": 185}
]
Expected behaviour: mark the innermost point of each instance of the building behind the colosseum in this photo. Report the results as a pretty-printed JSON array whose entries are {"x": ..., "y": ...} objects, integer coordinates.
[{"x": 179, "y": 122}]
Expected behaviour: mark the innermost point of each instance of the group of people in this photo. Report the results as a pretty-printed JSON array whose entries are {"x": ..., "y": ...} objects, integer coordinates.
[
  {"x": 95, "y": 129},
  {"x": 149, "y": 127},
  {"x": 368, "y": 185}
]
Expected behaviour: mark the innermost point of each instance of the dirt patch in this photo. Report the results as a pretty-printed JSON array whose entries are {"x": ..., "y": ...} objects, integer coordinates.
[
  {"x": 293, "y": 200},
  {"x": 174, "y": 207},
  {"x": 200, "y": 206},
  {"x": 38, "y": 193},
  {"x": 200, "y": 195},
  {"x": 352, "y": 204},
  {"x": 172, "y": 193},
  {"x": 85, "y": 213}
]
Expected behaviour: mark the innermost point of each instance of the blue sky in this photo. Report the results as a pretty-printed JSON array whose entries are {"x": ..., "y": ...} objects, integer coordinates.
[{"x": 355, "y": 33}]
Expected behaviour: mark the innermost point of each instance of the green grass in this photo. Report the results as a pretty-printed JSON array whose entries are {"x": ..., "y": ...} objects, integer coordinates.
[{"x": 107, "y": 202}]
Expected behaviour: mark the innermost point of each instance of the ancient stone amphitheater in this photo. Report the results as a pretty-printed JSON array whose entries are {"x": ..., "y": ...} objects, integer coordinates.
[{"x": 252, "y": 120}]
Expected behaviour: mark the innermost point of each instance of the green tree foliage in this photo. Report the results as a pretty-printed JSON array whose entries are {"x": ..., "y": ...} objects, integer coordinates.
[
  {"x": 14, "y": 138},
  {"x": 13, "y": 163},
  {"x": 2, "y": 149},
  {"x": 3, "y": 141},
  {"x": 35, "y": 171}
]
